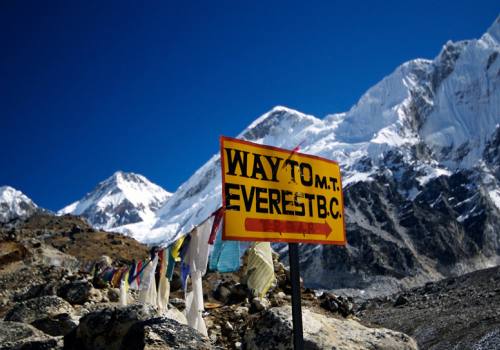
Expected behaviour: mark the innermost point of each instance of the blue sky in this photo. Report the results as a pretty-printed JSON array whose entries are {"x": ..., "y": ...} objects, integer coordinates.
[{"x": 91, "y": 87}]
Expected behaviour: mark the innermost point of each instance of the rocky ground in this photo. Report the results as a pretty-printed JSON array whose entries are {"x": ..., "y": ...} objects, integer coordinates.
[
  {"x": 455, "y": 313},
  {"x": 48, "y": 301}
]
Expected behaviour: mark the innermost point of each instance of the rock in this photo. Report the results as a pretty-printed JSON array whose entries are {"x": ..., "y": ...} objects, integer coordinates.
[
  {"x": 95, "y": 296},
  {"x": 239, "y": 293},
  {"x": 17, "y": 336},
  {"x": 104, "y": 261},
  {"x": 346, "y": 306},
  {"x": 329, "y": 302},
  {"x": 340, "y": 304},
  {"x": 105, "y": 328},
  {"x": 52, "y": 257},
  {"x": 57, "y": 325},
  {"x": 178, "y": 303},
  {"x": 228, "y": 327},
  {"x": 77, "y": 292},
  {"x": 401, "y": 300},
  {"x": 37, "y": 308},
  {"x": 11, "y": 252},
  {"x": 241, "y": 311},
  {"x": 260, "y": 304},
  {"x": 274, "y": 331},
  {"x": 230, "y": 292},
  {"x": 222, "y": 292},
  {"x": 114, "y": 295},
  {"x": 176, "y": 282},
  {"x": 163, "y": 333}
]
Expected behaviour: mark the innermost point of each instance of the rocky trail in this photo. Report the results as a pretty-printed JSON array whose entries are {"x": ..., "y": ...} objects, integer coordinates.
[{"x": 455, "y": 313}]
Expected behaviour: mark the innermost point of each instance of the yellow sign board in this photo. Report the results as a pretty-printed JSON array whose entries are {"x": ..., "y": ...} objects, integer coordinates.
[{"x": 277, "y": 195}]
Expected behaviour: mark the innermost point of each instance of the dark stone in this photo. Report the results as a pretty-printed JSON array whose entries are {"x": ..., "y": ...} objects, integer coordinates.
[
  {"x": 401, "y": 300},
  {"x": 21, "y": 336},
  {"x": 176, "y": 282},
  {"x": 76, "y": 292},
  {"x": 104, "y": 329},
  {"x": 57, "y": 325},
  {"x": 37, "y": 308},
  {"x": 329, "y": 302},
  {"x": 163, "y": 333},
  {"x": 222, "y": 292}
]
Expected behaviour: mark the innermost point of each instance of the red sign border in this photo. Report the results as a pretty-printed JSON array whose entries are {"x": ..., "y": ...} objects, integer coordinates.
[{"x": 283, "y": 240}]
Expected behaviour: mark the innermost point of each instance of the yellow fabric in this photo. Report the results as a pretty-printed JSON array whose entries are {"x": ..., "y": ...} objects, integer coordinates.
[
  {"x": 260, "y": 268},
  {"x": 115, "y": 280},
  {"x": 176, "y": 248}
]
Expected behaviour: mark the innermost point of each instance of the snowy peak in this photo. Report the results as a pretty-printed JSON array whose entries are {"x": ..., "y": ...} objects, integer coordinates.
[
  {"x": 493, "y": 33},
  {"x": 123, "y": 198},
  {"x": 15, "y": 205},
  {"x": 429, "y": 117}
]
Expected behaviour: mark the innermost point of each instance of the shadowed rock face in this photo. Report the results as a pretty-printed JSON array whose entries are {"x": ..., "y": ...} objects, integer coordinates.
[
  {"x": 16, "y": 335},
  {"x": 456, "y": 313},
  {"x": 450, "y": 227}
]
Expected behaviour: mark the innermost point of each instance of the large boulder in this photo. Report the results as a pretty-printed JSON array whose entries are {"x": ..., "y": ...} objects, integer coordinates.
[
  {"x": 79, "y": 292},
  {"x": 50, "y": 314},
  {"x": 162, "y": 333},
  {"x": 105, "y": 328},
  {"x": 21, "y": 336},
  {"x": 48, "y": 256},
  {"x": 274, "y": 331},
  {"x": 33, "y": 309}
]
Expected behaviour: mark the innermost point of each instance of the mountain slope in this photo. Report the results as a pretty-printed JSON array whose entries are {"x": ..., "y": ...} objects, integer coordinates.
[
  {"x": 15, "y": 205},
  {"x": 121, "y": 199},
  {"x": 419, "y": 159}
]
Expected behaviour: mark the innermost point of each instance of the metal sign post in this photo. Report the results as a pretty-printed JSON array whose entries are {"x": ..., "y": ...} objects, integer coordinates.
[{"x": 298, "y": 337}]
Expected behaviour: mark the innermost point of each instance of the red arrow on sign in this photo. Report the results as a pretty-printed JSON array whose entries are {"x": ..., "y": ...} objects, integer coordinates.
[{"x": 284, "y": 226}]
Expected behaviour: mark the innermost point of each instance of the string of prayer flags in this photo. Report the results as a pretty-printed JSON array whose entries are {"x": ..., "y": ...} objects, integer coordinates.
[
  {"x": 184, "y": 274},
  {"x": 124, "y": 289},
  {"x": 225, "y": 256},
  {"x": 176, "y": 247},
  {"x": 147, "y": 292},
  {"x": 197, "y": 258},
  {"x": 170, "y": 265},
  {"x": 218, "y": 215},
  {"x": 194, "y": 304},
  {"x": 164, "y": 284},
  {"x": 260, "y": 268},
  {"x": 185, "y": 246}
]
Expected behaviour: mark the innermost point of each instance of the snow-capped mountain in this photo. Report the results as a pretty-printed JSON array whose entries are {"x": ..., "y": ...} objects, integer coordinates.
[
  {"x": 15, "y": 205},
  {"x": 419, "y": 154},
  {"x": 121, "y": 199}
]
